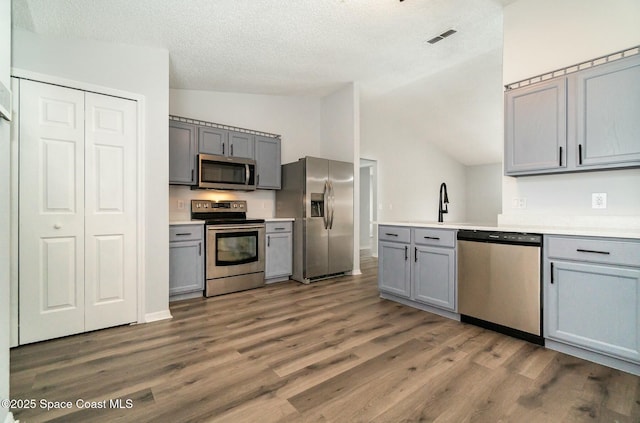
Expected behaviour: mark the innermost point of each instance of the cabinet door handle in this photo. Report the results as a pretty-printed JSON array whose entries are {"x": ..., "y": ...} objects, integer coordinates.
[
  {"x": 551, "y": 273},
  {"x": 200, "y": 248},
  {"x": 279, "y": 229},
  {"x": 406, "y": 253},
  {"x": 390, "y": 234},
  {"x": 184, "y": 234},
  {"x": 580, "y": 250},
  {"x": 268, "y": 241},
  {"x": 258, "y": 179},
  {"x": 231, "y": 149},
  {"x": 223, "y": 149},
  {"x": 579, "y": 153},
  {"x": 416, "y": 254},
  {"x": 432, "y": 237},
  {"x": 191, "y": 175},
  {"x": 560, "y": 157}
]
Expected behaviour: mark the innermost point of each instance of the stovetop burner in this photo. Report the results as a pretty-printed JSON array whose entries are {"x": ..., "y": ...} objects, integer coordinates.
[{"x": 221, "y": 212}]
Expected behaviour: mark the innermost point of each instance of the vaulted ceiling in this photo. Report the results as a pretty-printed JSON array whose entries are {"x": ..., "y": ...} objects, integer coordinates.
[{"x": 301, "y": 47}]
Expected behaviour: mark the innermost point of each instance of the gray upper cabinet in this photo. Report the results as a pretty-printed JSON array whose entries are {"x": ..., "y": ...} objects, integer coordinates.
[
  {"x": 213, "y": 141},
  {"x": 241, "y": 145},
  {"x": 588, "y": 120},
  {"x": 607, "y": 110},
  {"x": 268, "y": 165},
  {"x": 535, "y": 128},
  {"x": 182, "y": 153}
]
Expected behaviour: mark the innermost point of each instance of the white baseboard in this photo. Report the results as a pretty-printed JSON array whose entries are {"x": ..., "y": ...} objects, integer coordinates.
[
  {"x": 9, "y": 419},
  {"x": 158, "y": 315},
  {"x": 355, "y": 272}
]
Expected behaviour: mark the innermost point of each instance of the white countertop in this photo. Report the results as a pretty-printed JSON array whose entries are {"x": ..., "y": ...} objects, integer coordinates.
[
  {"x": 279, "y": 219},
  {"x": 616, "y": 228},
  {"x": 186, "y": 222}
]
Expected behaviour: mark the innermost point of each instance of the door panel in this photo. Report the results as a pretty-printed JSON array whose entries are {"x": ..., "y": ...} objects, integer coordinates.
[
  {"x": 213, "y": 141},
  {"x": 341, "y": 218},
  {"x": 51, "y": 222},
  {"x": 316, "y": 242},
  {"x": 110, "y": 211}
]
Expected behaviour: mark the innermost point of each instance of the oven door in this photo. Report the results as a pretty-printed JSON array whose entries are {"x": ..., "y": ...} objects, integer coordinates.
[
  {"x": 229, "y": 173},
  {"x": 234, "y": 250}
]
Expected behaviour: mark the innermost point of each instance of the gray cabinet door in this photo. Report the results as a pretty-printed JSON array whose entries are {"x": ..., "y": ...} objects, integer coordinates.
[
  {"x": 213, "y": 141},
  {"x": 268, "y": 163},
  {"x": 182, "y": 153},
  {"x": 279, "y": 253},
  {"x": 434, "y": 277},
  {"x": 594, "y": 307},
  {"x": 535, "y": 128},
  {"x": 241, "y": 145},
  {"x": 186, "y": 267},
  {"x": 394, "y": 268},
  {"x": 607, "y": 109}
]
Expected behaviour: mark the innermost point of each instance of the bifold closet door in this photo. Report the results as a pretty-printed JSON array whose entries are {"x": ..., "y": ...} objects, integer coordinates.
[
  {"x": 110, "y": 211},
  {"x": 78, "y": 190},
  {"x": 51, "y": 211}
]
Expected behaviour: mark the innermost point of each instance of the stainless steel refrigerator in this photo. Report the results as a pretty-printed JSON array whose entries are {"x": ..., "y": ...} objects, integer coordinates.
[{"x": 318, "y": 194}]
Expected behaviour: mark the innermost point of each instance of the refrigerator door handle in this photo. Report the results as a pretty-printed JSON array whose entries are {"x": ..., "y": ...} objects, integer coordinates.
[
  {"x": 325, "y": 198},
  {"x": 333, "y": 204}
]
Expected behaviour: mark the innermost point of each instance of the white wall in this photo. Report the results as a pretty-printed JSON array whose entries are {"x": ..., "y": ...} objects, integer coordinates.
[
  {"x": 544, "y": 35},
  {"x": 340, "y": 135},
  {"x": 296, "y": 119},
  {"x": 410, "y": 168},
  {"x": 134, "y": 69},
  {"x": 484, "y": 196},
  {"x": 5, "y": 207}
]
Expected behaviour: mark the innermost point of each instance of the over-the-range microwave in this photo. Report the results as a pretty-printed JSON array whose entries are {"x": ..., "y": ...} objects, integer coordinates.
[{"x": 227, "y": 173}]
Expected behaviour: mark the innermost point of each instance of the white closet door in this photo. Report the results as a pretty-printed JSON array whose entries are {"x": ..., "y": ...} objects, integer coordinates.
[
  {"x": 51, "y": 250},
  {"x": 110, "y": 211}
]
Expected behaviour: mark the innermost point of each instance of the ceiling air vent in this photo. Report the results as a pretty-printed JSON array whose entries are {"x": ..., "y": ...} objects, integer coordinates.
[{"x": 442, "y": 36}]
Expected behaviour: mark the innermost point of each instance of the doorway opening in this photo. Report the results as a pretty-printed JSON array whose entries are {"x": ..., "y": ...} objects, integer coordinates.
[{"x": 368, "y": 206}]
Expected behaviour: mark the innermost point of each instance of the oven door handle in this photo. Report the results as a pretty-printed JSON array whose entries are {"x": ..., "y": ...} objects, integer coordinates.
[{"x": 242, "y": 228}]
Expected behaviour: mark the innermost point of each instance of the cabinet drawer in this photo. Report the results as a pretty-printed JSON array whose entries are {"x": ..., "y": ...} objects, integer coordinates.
[
  {"x": 394, "y": 233},
  {"x": 626, "y": 253},
  {"x": 275, "y": 227},
  {"x": 185, "y": 232},
  {"x": 435, "y": 237}
]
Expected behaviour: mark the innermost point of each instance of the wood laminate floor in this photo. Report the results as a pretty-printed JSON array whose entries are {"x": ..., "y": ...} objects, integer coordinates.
[{"x": 332, "y": 351}]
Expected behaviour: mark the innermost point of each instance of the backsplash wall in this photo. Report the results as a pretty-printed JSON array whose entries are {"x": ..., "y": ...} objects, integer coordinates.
[{"x": 260, "y": 203}]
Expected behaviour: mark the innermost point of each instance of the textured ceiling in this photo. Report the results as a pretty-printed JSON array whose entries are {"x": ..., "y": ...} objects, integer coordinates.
[
  {"x": 301, "y": 47},
  {"x": 313, "y": 47}
]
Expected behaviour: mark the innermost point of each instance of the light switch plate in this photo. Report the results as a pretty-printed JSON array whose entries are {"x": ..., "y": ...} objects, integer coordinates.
[{"x": 599, "y": 200}]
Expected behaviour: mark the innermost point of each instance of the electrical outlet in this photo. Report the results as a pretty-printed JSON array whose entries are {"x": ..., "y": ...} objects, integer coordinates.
[
  {"x": 599, "y": 200},
  {"x": 180, "y": 204},
  {"x": 519, "y": 203}
]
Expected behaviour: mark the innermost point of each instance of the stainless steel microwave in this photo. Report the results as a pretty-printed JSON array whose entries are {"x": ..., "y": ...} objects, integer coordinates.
[{"x": 228, "y": 173}]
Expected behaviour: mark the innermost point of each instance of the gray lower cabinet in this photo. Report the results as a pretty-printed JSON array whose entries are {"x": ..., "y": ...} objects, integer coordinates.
[
  {"x": 279, "y": 251},
  {"x": 587, "y": 120},
  {"x": 592, "y": 295},
  {"x": 186, "y": 259},
  {"x": 183, "y": 149},
  {"x": 394, "y": 267},
  {"x": 434, "y": 267},
  {"x": 268, "y": 162}
]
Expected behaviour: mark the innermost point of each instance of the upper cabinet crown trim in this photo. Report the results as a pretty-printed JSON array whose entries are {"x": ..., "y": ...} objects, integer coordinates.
[
  {"x": 221, "y": 126},
  {"x": 575, "y": 68}
]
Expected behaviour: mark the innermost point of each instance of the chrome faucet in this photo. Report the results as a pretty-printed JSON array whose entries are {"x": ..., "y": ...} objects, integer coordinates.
[{"x": 442, "y": 207}]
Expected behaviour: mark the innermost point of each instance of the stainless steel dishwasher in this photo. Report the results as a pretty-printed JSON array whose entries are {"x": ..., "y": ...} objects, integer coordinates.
[{"x": 499, "y": 284}]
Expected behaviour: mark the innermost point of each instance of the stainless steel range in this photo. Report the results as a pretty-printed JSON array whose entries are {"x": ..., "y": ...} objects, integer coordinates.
[{"x": 234, "y": 246}]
